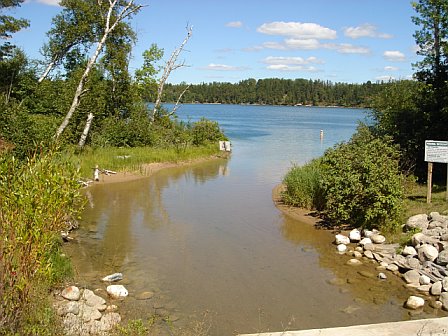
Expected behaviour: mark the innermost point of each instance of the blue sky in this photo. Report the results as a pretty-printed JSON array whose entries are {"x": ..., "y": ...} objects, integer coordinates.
[{"x": 338, "y": 40}]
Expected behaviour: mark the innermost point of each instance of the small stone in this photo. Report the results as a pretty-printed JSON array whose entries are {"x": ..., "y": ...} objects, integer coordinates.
[
  {"x": 341, "y": 239},
  {"x": 436, "y": 304},
  {"x": 71, "y": 307},
  {"x": 364, "y": 241},
  {"x": 341, "y": 248},
  {"x": 409, "y": 251},
  {"x": 109, "y": 320},
  {"x": 414, "y": 263},
  {"x": 354, "y": 235},
  {"x": 424, "y": 280},
  {"x": 445, "y": 284},
  {"x": 354, "y": 262},
  {"x": 368, "y": 254},
  {"x": 444, "y": 299},
  {"x": 424, "y": 288},
  {"x": 117, "y": 291},
  {"x": 392, "y": 268},
  {"x": 436, "y": 288},
  {"x": 367, "y": 274},
  {"x": 145, "y": 296},
  {"x": 412, "y": 277},
  {"x": 369, "y": 247},
  {"x": 357, "y": 254},
  {"x": 359, "y": 249},
  {"x": 113, "y": 277},
  {"x": 442, "y": 258},
  {"x": 382, "y": 276},
  {"x": 71, "y": 293},
  {"x": 92, "y": 299},
  {"x": 384, "y": 264},
  {"x": 377, "y": 238},
  {"x": 414, "y": 302}
]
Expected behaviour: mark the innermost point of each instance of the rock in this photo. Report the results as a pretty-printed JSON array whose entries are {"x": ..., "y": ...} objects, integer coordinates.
[
  {"x": 117, "y": 291},
  {"x": 412, "y": 277},
  {"x": 354, "y": 235},
  {"x": 369, "y": 247},
  {"x": 392, "y": 268},
  {"x": 354, "y": 262},
  {"x": 341, "y": 239},
  {"x": 409, "y": 251},
  {"x": 427, "y": 252},
  {"x": 71, "y": 307},
  {"x": 111, "y": 308},
  {"x": 420, "y": 238},
  {"x": 442, "y": 259},
  {"x": 364, "y": 241},
  {"x": 367, "y": 274},
  {"x": 341, "y": 248},
  {"x": 444, "y": 237},
  {"x": 444, "y": 299},
  {"x": 424, "y": 288},
  {"x": 71, "y": 293},
  {"x": 445, "y": 284},
  {"x": 382, "y": 276},
  {"x": 436, "y": 304},
  {"x": 436, "y": 288},
  {"x": 424, "y": 280},
  {"x": 414, "y": 302},
  {"x": 377, "y": 238},
  {"x": 359, "y": 249},
  {"x": 435, "y": 216},
  {"x": 109, "y": 320},
  {"x": 113, "y": 277},
  {"x": 145, "y": 296},
  {"x": 417, "y": 222},
  {"x": 357, "y": 254},
  {"x": 368, "y": 254},
  {"x": 413, "y": 263},
  {"x": 92, "y": 299}
]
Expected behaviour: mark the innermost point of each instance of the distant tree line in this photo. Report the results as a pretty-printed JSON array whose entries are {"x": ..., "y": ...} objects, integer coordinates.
[{"x": 276, "y": 91}]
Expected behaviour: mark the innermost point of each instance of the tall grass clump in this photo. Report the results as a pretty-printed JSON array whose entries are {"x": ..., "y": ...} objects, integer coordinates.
[
  {"x": 36, "y": 197},
  {"x": 303, "y": 186}
]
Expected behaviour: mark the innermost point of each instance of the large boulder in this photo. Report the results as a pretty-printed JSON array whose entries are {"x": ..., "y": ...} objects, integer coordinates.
[
  {"x": 417, "y": 222},
  {"x": 355, "y": 235},
  {"x": 427, "y": 252}
]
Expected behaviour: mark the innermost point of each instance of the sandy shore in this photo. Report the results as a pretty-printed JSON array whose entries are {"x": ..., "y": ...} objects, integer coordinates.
[
  {"x": 300, "y": 214},
  {"x": 148, "y": 169}
]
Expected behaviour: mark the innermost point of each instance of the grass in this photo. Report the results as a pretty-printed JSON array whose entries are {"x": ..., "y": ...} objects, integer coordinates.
[
  {"x": 131, "y": 159},
  {"x": 415, "y": 201}
]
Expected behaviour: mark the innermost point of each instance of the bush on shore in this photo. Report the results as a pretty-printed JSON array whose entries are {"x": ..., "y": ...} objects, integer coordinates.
[
  {"x": 357, "y": 183},
  {"x": 36, "y": 197}
]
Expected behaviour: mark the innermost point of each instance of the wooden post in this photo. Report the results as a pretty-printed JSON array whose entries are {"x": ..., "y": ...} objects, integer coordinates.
[
  {"x": 446, "y": 197},
  {"x": 428, "y": 195}
]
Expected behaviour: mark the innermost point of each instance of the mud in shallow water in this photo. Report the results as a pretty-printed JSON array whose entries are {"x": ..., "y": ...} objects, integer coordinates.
[{"x": 205, "y": 240}]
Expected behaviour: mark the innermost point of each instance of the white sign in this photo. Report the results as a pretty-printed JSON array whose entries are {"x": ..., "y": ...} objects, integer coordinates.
[
  {"x": 224, "y": 146},
  {"x": 436, "y": 151}
]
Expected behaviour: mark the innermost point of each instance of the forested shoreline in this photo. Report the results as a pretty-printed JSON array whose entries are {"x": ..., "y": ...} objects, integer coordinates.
[{"x": 277, "y": 91}]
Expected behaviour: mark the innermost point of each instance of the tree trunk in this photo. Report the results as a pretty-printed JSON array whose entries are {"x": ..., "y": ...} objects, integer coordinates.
[
  {"x": 83, "y": 138},
  {"x": 47, "y": 71}
]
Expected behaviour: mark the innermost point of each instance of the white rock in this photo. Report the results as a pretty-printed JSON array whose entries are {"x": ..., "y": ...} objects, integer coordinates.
[
  {"x": 418, "y": 222},
  {"x": 382, "y": 276},
  {"x": 445, "y": 284},
  {"x": 357, "y": 254},
  {"x": 412, "y": 277},
  {"x": 444, "y": 299},
  {"x": 341, "y": 239},
  {"x": 113, "y": 277},
  {"x": 424, "y": 280},
  {"x": 117, "y": 291},
  {"x": 354, "y": 262},
  {"x": 414, "y": 302},
  {"x": 378, "y": 239},
  {"x": 436, "y": 288},
  {"x": 409, "y": 251},
  {"x": 341, "y": 248},
  {"x": 369, "y": 254},
  {"x": 392, "y": 268},
  {"x": 71, "y": 293},
  {"x": 365, "y": 241},
  {"x": 355, "y": 235},
  {"x": 427, "y": 252}
]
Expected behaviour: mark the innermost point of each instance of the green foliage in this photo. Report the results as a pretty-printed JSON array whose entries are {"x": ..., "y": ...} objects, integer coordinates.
[
  {"x": 206, "y": 131},
  {"x": 303, "y": 186},
  {"x": 362, "y": 182},
  {"x": 9, "y": 25},
  {"x": 145, "y": 80},
  {"x": 36, "y": 197}
]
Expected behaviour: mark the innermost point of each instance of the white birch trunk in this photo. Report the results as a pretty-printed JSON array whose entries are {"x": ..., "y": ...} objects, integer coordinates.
[
  {"x": 46, "y": 72},
  {"x": 84, "y": 134}
]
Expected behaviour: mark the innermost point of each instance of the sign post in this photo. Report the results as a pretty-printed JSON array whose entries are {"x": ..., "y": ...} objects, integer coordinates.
[{"x": 435, "y": 151}]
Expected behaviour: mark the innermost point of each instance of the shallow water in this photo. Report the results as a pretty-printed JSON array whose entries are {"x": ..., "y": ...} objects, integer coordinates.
[{"x": 208, "y": 241}]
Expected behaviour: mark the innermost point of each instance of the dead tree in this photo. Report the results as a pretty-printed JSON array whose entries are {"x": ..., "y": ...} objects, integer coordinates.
[
  {"x": 170, "y": 66},
  {"x": 127, "y": 10}
]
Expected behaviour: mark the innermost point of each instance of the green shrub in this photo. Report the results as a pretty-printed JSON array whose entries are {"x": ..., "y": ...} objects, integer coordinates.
[
  {"x": 36, "y": 196},
  {"x": 362, "y": 182},
  {"x": 303, "y": 186},
  {"x": 206, "y": 131}
]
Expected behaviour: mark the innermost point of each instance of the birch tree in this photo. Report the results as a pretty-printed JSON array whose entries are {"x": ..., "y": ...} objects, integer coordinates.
[{"x": 112, "y": 13}]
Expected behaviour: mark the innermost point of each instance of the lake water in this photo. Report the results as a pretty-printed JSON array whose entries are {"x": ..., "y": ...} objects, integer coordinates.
[{"x": 208, "y": 241}]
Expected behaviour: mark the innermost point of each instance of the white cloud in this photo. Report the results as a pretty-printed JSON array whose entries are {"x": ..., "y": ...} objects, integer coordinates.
[
  {"x": 346, "y": 48},
  {"x": 365, "y": 30},
  {"x": 223, "y": 67},
  {"x": 297, "y": 30},
  {"x": 234, "y": 24},
  {"x": 285, "y": 67},
  {"x": 272, "y": 60},
  {"x": 394, "y": 56},
  {"x": 302, "y": 44},
  {"x": 385, "y": 78},
  {"x": 391, "y": 68}
]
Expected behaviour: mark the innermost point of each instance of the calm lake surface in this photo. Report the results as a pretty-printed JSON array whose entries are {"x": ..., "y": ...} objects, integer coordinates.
[{"x": 208, "y": 241}]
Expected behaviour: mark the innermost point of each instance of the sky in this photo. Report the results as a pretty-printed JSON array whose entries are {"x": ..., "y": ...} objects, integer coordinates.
[{"x": 351, "y": 41}]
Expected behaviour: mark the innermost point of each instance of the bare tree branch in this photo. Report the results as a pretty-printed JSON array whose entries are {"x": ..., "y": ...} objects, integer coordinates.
[
  {"x": 170, "y": 66},
  {"x": 176, "y": 106}
]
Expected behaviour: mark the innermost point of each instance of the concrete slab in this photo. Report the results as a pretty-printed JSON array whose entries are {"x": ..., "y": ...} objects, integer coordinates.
[{"x": 427, "y": 327}]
